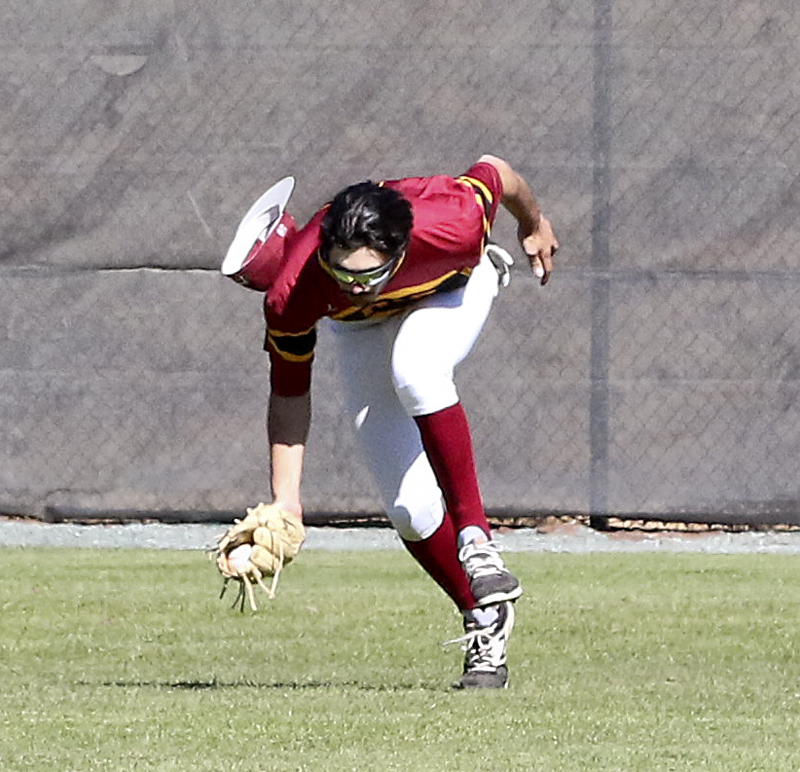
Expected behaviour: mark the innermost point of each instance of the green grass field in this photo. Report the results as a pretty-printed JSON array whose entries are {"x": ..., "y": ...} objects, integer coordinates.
[{"x": 125, "y": 660}]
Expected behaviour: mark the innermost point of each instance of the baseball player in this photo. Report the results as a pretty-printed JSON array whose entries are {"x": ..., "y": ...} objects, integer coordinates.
[{"x": 403, "y": 273}]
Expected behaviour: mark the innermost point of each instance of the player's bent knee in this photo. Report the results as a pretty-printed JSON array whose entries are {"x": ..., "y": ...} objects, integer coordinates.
[
  {"x": 416, "y": 526},
  {"x": 426, "y": 395}
]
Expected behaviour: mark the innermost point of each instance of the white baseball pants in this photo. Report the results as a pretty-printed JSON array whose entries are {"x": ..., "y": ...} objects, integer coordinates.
[{"x": 402, "y": 367}]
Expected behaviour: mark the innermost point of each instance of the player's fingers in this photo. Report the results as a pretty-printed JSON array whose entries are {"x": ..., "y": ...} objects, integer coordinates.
[
  {"x": 547, "y": 261},
  {"x": 547, "y": 268},
  {"x": 537, "y": 265}
]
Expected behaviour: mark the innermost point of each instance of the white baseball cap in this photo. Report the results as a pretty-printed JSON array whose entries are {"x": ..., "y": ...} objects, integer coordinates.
[{"x": 256, "y": 252}]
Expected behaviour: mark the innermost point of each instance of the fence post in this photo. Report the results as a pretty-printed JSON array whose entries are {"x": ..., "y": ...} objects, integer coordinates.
[{"x": 600, "y": 264}]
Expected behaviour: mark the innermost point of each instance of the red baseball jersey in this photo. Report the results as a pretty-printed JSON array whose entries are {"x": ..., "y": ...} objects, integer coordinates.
[{"x": 452, "y": 217}]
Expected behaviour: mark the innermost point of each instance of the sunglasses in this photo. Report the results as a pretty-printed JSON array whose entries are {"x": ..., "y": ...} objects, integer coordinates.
[{"x": 367, "y": 278}]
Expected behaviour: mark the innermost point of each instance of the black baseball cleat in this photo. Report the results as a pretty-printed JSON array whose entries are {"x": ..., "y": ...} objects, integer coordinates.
[
  {"x": 489, "y": 579},
  {"x": 486, "y": 650}
]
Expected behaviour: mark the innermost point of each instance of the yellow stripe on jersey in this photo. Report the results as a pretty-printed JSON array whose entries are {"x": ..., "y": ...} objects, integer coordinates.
[
  {"x": 485, "y": 192},
  {"x": 393, "y": 302},
  {"x": 293, "y": 346},
  {"x": 424, "y": 289}
]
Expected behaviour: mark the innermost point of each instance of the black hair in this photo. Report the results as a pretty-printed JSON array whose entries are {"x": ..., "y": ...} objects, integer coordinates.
[{"x": 367, "y": 215}]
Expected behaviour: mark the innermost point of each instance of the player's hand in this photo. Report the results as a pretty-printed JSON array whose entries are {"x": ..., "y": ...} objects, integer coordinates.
[
  {"x": 291, "y": 508},
  {"x": 540, "y": 246}
]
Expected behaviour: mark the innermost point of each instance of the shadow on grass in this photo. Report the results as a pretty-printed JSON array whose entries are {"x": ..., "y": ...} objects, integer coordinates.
[{"x": 277, "y": 685}]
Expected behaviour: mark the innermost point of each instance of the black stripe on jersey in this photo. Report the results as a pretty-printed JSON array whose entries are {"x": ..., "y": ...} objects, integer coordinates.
[
  {"x": 484, "y": 198},
  {"x": 293, "y": 347}
]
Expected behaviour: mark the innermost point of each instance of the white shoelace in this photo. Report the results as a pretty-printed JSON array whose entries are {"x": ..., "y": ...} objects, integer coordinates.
[
  {"x": 481, "y": 559},
  {"x": 484, "y": 650}
]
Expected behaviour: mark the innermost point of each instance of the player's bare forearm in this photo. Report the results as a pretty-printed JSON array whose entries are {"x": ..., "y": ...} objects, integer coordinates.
[
  {"x": 517, "y": 195},
  {"x": 534, "y": 231},
  {"x": 288, "y": 422}
]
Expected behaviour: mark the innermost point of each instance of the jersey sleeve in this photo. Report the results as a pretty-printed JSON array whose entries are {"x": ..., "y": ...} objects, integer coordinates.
[
  {"x": 290, "y": 341},
  {"x": 485, "y": 180},
  {"x": 292, "y": 308},
  {"x": 291, "y": 355}
]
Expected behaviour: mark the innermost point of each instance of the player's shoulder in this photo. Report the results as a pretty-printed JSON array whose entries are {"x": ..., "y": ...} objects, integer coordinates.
[
  {"x": 482, "y": 175},
  {"x": 486, "y": 175},
  {"x": 293, "y": 293}
]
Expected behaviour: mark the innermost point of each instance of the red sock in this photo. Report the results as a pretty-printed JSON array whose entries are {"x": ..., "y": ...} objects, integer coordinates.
[
  {"x": 448, "y": 445},
  {"x": 438, "y": 555}
]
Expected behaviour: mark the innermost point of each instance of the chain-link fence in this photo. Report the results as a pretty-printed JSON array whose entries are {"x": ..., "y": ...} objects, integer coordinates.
[{"x": 656, "y": 376}]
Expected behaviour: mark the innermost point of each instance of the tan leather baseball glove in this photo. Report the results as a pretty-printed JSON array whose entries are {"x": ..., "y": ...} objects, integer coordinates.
[{"x": 258, "y": 546}]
